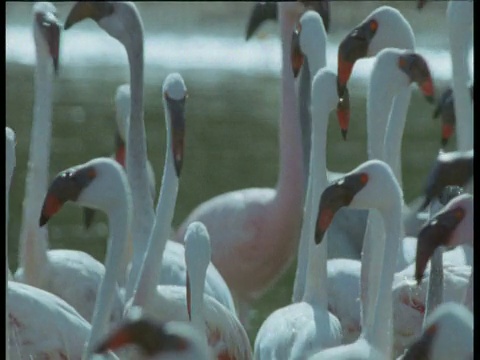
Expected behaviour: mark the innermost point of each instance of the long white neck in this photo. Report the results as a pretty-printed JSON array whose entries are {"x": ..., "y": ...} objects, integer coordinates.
[
  {"x": 119, "y": 217},
  {"x": 309, "y": 282},
  {"x": 290, "y": 186},
  {"x": 435, "y": 282},
  {"x": 33, "y": 239},
  {"x": 460, "y": 17},
  {"x": 143, "y": 215},
  {"x": 305, "y": 116},
  {"x": 394, "y": 132},
  {"x": 149, "y": 275},
  {"x": 197, "y": 286},
  {"x": 382, "y": 328},
  {"x": 469, "y": 295},
  {"x": 370, "y": 277},
  {"x": 379, "y": 103}
]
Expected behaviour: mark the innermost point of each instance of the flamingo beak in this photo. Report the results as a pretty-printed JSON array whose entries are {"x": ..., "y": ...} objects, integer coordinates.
[
  {"x": 66, "y": 186},
  {"x": 435, "y": 233},
  {"x": 297, "y": 56},
  {"x": 261, "y": 12},
  {"x": 120, "y": 149},
  {"x": 176, "y": 109},
  {"x": 343, "y": 113},
  {"x": 447, "y": 132},
  {"x": 50, "y": 28},
  {"x": 353, "y": 47},
  {"x": 416, "y": 68},
  {"x": 334, "y": 197},
  {"x": 87, "y": 9}
]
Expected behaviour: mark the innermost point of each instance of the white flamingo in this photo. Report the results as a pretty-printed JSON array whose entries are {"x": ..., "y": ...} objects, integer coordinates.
[
  {"x": 123, "y": 22},
  {"x": 448, "y": 335},
  {"x": 169, "y": 302},
  {"x": 157, "y": 341},
  {"x": 301, "y": 328},
  {"x": 99, "y": 184},
  {"x": 254, "y": 232},
  {"x": 72, "y": 275},
  {"x": 38, "y": 323},
  {"x": 360, "y": 189}
]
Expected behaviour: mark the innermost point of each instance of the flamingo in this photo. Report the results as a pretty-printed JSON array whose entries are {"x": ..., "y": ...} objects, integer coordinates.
[
  {"x": 298, "y": 329},
  {"x": 245, "y": 225},
  {"x": 452, "y": 226},
  {"x": 38, "y": 323},
  {"x": 122, "y": 107},
  {"x": 169, "y": 302},
  {"x": 72, "y": 275},
  {"x": 157, "y": 341},
  {"x": 100, "y": 184},
  {"x": 359, "y": 189},
  {"x": 123, "y": 22},
  {"x": 460, "y": 25},
  {"x": 448, "y": 335}
]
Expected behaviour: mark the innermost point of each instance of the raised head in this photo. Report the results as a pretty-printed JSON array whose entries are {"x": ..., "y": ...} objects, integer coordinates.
[
  {"x": 174, "y": 97},
  {"x": 46, "y": 31}
]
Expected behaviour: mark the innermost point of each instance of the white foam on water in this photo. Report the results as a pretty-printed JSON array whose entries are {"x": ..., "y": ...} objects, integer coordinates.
[{"x": 171, "y": 51}]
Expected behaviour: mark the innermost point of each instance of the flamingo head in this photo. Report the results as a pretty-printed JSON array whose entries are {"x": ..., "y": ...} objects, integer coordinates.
[
  {"x": 453, "y": 168},
  {"x": 268, "y": 10},
  {"x": 95, "y": 184},
  {"x": 360, "y": 189},
  {"x": 308, "y": 38},
  {"x": 174, "y": 97},
  {"x": 46, "y": 31},
  {"x": 451, "y": 226},
  {"x": 416, "y": 68},
  {"x": 384, "y": 27},
  {"x": 120, "y": 19}
]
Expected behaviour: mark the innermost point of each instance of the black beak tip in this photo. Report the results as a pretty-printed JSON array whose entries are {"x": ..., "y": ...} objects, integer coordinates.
[
  {"x": 344, "y": 134},
  {"x": 340, "y": 90},
  {"x": 43, "y": 219},
  {"x": 318, "y": 237},
  {"x": 444, "y": 142},
  {"x": 178, "y": 167},
  {"x": 430, "y": 99},
  {"x": 88, "y": 215}
]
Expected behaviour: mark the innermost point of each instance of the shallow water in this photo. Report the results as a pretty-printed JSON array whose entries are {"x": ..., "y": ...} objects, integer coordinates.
[{"x": 232, "y": 109}]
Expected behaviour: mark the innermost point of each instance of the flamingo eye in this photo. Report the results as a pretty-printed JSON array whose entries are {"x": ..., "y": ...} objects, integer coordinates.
[
  {"x": 364, "y": 178},
  {"x": 459, "y": 214},
  {"x": 373, "y": 25}
]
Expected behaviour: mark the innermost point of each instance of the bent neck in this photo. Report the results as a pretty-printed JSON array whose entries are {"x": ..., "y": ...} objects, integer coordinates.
[
  {"x": 33, "y": 239},
  {"x": 290, "y": 186},
  {"x": 119, "y": 217},
  {"x": 149, "y": 275},
  {"x": 143, "y": 215}
]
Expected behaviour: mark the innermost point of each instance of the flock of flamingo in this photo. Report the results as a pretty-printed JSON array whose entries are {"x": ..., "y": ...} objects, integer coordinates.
[{"x": 408, "y": 293}]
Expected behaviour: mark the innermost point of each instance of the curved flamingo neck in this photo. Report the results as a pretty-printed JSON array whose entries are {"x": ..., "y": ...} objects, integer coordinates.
[
  {"x": 143, "y": 215},
  {"x": 290, "y": 184},
  {"x": 460, "y": 17},
  {"x": 382, "y": 328},
  {"x": 394, "y": 132},
  {"x": 149, "y": 275},
  {"x": 308, "y": 283},
  {"x": 33, "y": 239},
  {"x": 119, "y": 217}
]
